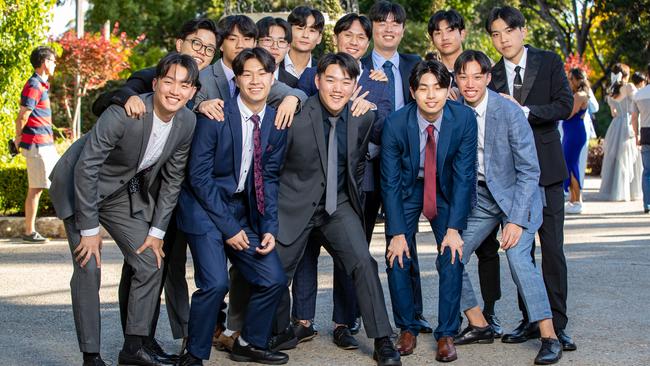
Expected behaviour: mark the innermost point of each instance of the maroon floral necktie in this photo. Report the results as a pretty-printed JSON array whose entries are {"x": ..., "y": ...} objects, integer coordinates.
[{"x": 257, "y": 163}]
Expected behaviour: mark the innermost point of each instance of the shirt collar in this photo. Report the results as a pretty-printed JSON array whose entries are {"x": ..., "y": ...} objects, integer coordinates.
[
  {"x": 157, "y": 120},
  {"x": 276, "y": 73},
  {"x": 481, "y": 108},
  {"x": 423, "y": 123},
  {"x": 41, "y": 80},
  {"x": 510, "y": 67},
  {"x": 379, "y": 60},
  {"x": 227, "y": 71},
  {"x": 246, "y": 112},
  {"x": 289, "y": 63}
]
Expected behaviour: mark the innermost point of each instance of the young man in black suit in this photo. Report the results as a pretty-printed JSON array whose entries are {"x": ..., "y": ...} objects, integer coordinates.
[
  {"x": 274, "y": 35},
  {"x": 535, "y": 79}
]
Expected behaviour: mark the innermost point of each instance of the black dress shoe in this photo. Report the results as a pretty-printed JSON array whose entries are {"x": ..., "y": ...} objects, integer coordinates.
[
  {"x": 143, "y": 357},
  {"x": 283, "y": 341},
  {"x": 187, "y": 359},
  {"x": 95, "y": 361},
  {"x": 344, "y": 339},
  {"x": 385, "y": 353},
  {"x": 473, "y": 334},
  {"x": 549, "y": 353},
  {"x": 163, "y": 357},
  {"x": 303, "y": 333},
  {"x": 251, "y": 354},
  {"x": 522, "y": 333},
  {"x": 495, "y": 323},
  {"x": 566, "y": 341},
  {"x": 355, "y": 326},
  {"x": 425, "y": 327}
]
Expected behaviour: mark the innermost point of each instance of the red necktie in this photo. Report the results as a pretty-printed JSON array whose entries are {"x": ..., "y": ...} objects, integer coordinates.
[
  {"x": 429, "y": 210},
  {"x": 257, "y": 163}
]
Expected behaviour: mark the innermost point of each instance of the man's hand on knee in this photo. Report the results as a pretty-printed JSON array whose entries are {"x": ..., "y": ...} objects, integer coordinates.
[
  {"x": 397, "y": 248},
  {"x": 267, "y": 244},
  {"x": 156, "y": 245},
  {"x": 89, "y": 246},
  {"x": 239, "y": 241},
  {"x": 455, "y": 243},
  {"x": 510, "y": 235}
]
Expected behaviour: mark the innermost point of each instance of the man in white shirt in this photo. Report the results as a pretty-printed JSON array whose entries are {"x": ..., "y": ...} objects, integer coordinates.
[{"x": 307, "y": 26}]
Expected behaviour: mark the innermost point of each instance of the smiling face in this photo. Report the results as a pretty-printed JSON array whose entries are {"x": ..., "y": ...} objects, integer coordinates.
[
  {"x": 353, "y": 41},
  {"x": 509, "y": 42},
  {"x": 172, "y": 91},
  {"x": 448, "y": 41},
  {"x": 335, "y": 88},
  {"x": 233, "y": 44},
  {"x": 254, "y": 83},
  {"x": 472, "y": 83},
  {"x": 387, "y": 34},
  {"x": 275, "y": 43},
  {"x": 430, "y": 96},
  {"x": 305, "y": 38},
  {"x": 200, "y": 45}
]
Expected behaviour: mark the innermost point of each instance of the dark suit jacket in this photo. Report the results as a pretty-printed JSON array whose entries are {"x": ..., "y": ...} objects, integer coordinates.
[
  {"x": 455, "y": 163},
  {"x": 140, "y": 82},
  {"x": 303, "y": 176},
  {"x": 407, "y": 63},
  {"x": 106, "y": 158},
  {"x": 285, "y": 77},
  {"x": 213, "y": 176},
  {"x": 547, "y": 93}
]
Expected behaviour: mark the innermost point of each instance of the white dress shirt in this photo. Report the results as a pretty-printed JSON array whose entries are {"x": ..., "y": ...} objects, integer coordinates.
[
  {"x": 246, "y": 141},
  {"x": 423, "y": 124},
  {"x": 230, "y": 76},
  {"x": 378, "y": 61},
  {"x": 480, "y": 110},
  {"x": 157, "y": 140},
  {"x": 291, "y": 68},
  {"x": 510, "y": 75}
]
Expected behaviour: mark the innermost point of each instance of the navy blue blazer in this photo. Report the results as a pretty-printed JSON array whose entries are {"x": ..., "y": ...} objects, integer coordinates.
[
  {"x": 407, "y": 63},
  {"x": 213, "y": 176},
  {"x": 455, "y": 163}
]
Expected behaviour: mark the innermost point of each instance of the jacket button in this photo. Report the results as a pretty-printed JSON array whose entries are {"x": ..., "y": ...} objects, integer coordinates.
[
  {"x": 313, "y": 204},
  {"x": 322, "y": 184},
  {"x": 121, "y": 181}
]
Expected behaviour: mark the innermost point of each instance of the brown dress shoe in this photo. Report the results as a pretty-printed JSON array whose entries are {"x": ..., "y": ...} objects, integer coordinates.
[
  {"x": 224, "y": 343},
  {"x": 446, "y": 350},
  {"x": 406, "y": 343}
]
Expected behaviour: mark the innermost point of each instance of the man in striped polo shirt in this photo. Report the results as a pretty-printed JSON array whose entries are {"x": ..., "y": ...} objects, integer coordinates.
[{"x": 34, "y": 136}]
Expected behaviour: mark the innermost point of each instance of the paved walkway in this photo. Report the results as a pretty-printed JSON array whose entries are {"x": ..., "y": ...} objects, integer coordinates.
[{"x": 608, "y": 255}]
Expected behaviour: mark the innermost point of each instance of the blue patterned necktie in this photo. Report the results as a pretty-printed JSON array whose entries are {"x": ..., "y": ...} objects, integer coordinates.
[{"x": 388, "y": 70}]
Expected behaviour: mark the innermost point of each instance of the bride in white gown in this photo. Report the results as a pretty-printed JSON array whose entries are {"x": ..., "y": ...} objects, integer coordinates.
[{"x": 621, "y": 169}]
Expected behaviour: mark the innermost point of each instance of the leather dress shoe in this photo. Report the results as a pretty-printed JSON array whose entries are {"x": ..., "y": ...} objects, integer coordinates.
[
  {"x": 304, "y": 333},
  {"x": 344, "y": 339},
  {"x": 522, "y": 333},
  {"x": 161, "y": 356},
  {"x": 143, "y": 357},
  {"x": 95, "y": 361},
  {"x": 549, "y": 353},
  {"x": 566, "y": 341},
  {"x": 406, "y": 343},
  {"x": 495, "y": 323},
  {"x": 385, "y": 353},
  {"x": 250, "y": 353},
  {"x": 283, "y": 341},
  {"x": 355, "y": 326},
  {"x": 473, "y": 334},
  {"x": 446, "y": 350},
  {"x": 425, "y": 327},
  {"x": 187, "y": 359},
  {"x": 225, "y": 343}
]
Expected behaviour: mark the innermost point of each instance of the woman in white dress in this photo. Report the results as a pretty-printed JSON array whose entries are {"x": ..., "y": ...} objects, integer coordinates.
[{"x": 621, "y": 170}]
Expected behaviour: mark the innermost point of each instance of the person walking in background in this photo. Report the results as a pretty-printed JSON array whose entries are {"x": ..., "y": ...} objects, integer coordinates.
[
  {"x": 641, "y": 127},
  {"x": 621, "y": 172},
  {"x": 35, "y": 137},
  {"x": 639, "y": 80},
  {"x": 575, "y": 138}
]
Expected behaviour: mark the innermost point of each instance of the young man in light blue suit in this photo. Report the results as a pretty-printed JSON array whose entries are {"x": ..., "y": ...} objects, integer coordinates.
[{"x": 508, "y": 194}]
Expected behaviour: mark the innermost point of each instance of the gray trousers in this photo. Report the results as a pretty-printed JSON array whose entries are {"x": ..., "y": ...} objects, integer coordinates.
[
  {"x": 485, "y": 217},
  {"x": 129, "y": 233}
]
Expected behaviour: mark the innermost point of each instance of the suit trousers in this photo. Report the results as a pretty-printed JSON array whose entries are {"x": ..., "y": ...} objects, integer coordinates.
[
  {"x": 554, "y": 269},
  {"x": 489, "y": 268},
  {"x": 129, "y": 234},
  {"x": 400, "y": 282},
  {"x": 485, "y": 217},
  {"x": 343, "y": 236},
  {"x": 262, "y": 272}
]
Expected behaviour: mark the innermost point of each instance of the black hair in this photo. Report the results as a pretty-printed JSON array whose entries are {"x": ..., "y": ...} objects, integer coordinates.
[
  {"x": 511, "y": 16},
  {"x": 437, "y": 68},
  {"x": 469, "y": 56},
  {"x": 581, "y": 77},
  {"x": 39, "y": 55},
  {"x": 615, "y": 87},
  {"x": 259, "y": 53},
  {"x": 637, "y": 77},
  {"x": 346, "y": 21},
  {"x": 380, "y": 10},
  {"x": 186, "y": 61},
  {"x": 265, "y": 24},
  {"x": 299, "y": 15},
  {"x": 227, "y": 25},
  {"x": 192, "y": 26},
  {"x": 347, "y": 63},
  {"x": 453, "y": 18}
]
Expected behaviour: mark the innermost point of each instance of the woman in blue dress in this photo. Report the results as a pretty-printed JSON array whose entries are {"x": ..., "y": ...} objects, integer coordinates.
[{"x": 575, "y": 138}]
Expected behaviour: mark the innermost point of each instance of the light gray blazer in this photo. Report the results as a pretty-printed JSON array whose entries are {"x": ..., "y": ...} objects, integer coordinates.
[
  {"x": 214, "y": 84},
  {"x": 511, "y": 165},
  {"x": 107, "y": 157}
]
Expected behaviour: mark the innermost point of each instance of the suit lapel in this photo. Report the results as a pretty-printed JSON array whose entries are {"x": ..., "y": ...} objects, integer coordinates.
[
  {"x": 490, "y": 130},
  {"x": 148, "y": 123},
  {"x": 234, "y": 122},
  {"x": 367, "y": 62},
  {"x": 316, "y": 118},
  {"x": 353, "y": 133},
  {"x": 222, "y": 81},
  {"x": 267, "y": 124},
  {"x": 405, "y": 71},
  {"x": 499, "y": 77},
  {"x": 530, "y": 73},
  {"x": 444, "y": 137},
  {"x": 413, "y": 133}
]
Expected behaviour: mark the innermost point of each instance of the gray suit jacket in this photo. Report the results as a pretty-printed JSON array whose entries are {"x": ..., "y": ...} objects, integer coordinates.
[
  {"x": 106, "y": 158},
  {"x": 511, "y": 166},
  {"x": 214, "y": 84},
  {"x": 304, "y": 172}
]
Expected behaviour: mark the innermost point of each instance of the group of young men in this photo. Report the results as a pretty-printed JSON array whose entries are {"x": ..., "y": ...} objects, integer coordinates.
[{"x": 265, "y": 156}]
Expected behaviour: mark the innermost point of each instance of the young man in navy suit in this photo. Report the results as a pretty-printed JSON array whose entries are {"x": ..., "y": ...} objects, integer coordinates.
[
  {"x": 428, "y": 161},
  {"x": 228, "y": 208}
]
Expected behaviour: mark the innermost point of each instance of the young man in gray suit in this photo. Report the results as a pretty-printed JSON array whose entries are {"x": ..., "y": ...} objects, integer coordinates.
[
  {"x": 509, "y": 195},
  {"x": 126, "y": 174}
]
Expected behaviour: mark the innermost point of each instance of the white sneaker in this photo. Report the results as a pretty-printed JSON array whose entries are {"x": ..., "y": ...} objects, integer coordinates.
[{"x": 573, "y": 208}]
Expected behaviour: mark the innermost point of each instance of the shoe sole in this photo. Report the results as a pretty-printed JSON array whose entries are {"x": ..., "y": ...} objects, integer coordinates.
[
  {"x": 446, "y": 359},
  {"x": 290, "y": 344},
  {"x": 405, "y": 353},
  {"x": 387, "y": 363},
  {"x": 347, "y": 348},
  {"x": 570, "y": 349},
  {"x": 517, "y": 340},
  {"x": 238, "y": 358},
  {"x": 308, "y": 338},
  {"x": 480, "y": 341}
]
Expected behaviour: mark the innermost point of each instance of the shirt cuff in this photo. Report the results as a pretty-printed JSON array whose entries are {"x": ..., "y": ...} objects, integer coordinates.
[
  {"x": 90, "y": 232},
  {"x": 526, "y": 110},
  {"x": 156, "y": 233}
]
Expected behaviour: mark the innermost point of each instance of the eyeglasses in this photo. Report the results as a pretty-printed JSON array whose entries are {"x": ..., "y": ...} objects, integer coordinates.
[
  {"x": 268, "y": 42},
  {"x": 197, "y": 46}
]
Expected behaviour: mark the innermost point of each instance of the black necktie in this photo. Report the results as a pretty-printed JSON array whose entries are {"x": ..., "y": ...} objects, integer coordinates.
[{"x": 517, "y": 85}]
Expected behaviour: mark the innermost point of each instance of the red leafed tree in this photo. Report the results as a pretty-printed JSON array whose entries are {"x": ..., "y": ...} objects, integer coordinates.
[
  {"x": 576, "y": 61},
  {"x": 89, "y": 62}
]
